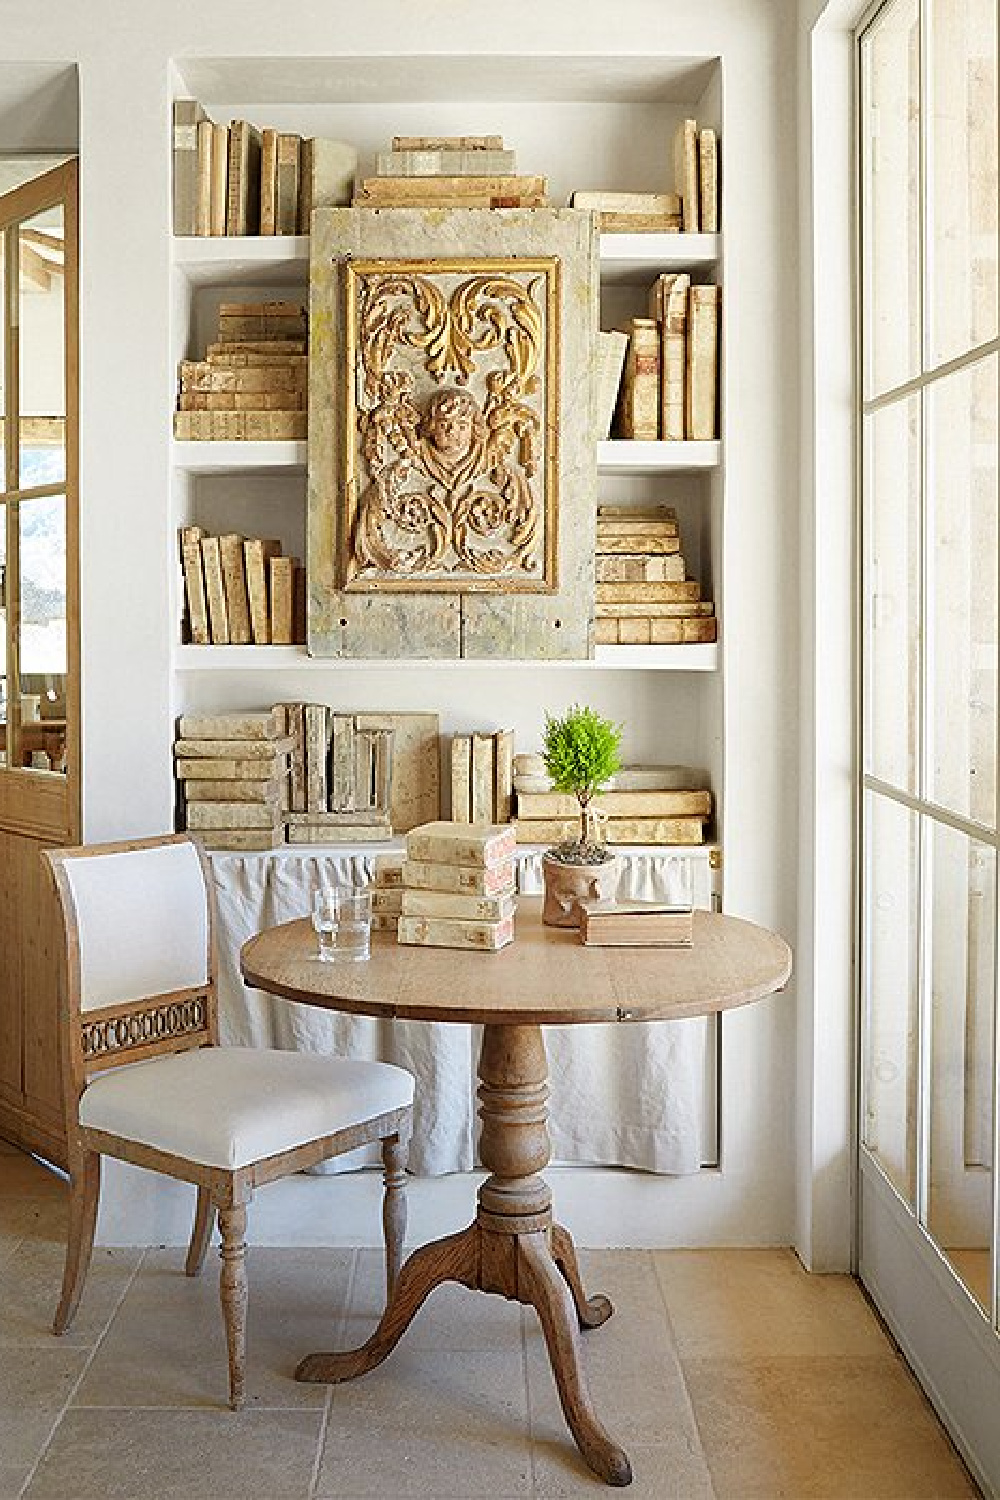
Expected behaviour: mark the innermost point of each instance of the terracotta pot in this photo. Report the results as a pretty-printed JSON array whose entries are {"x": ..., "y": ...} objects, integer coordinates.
[{"x": 565, "y": 885}]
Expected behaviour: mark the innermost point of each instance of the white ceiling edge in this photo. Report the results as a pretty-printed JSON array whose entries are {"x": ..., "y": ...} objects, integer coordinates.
[{"x": 457, "y": 78}]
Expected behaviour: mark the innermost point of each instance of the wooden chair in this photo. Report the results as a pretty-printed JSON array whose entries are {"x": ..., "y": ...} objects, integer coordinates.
[{"x": 145, "y": 1079}]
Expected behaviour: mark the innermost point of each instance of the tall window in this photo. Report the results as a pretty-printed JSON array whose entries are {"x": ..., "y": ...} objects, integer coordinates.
[{"x": 930, "y": 369}]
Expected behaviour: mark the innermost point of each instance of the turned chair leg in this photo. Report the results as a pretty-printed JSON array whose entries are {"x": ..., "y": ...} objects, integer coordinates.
[
  {"x": 233, "y": 1293},
  {"x": 394, "y": 1154},
  {"x": 201, "y": 1233},
  {"x": 85, "y": 1190}
]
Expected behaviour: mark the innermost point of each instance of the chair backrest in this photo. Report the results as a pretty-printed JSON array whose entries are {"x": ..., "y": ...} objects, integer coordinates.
[{"x": 140, "y": 960}]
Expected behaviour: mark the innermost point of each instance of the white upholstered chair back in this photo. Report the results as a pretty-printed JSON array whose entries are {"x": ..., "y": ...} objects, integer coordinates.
[
  {"x": 140, "y": 970},
  {"x": 142, "y": 922}
]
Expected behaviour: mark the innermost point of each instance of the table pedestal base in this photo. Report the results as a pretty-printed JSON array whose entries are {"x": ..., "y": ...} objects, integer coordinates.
[{"x": 513, "y": 1248}]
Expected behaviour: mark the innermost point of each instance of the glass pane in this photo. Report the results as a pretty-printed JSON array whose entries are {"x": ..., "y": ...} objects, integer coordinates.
[
  {"x": 42, "y": 383},
  {"x": 42, "y": 685},
  {"x": 963, "y": 183},
  {"x": 963, "y": 939},
  {"x": 892, "y": 541},
  {"x": 891, "y": 176},
  {"x": 962, "y": 590},
  {"x": 890, "y": 1051}
]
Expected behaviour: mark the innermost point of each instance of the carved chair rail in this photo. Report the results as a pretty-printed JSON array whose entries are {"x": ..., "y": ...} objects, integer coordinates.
[{"x": 126, "y": 1033}]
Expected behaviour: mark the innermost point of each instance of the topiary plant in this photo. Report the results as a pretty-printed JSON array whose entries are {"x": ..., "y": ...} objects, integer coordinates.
[{"x": 581, "y": 752}]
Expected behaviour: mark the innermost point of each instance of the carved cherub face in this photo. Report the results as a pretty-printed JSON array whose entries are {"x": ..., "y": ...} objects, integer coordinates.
[{"x": 451, "y": 424}]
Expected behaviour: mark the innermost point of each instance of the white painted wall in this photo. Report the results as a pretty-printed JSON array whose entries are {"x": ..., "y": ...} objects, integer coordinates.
[{"x": 127, "y": 381}]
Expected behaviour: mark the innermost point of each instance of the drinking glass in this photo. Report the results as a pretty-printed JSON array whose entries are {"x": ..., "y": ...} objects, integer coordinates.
[
  {"x": 342, "y": 919},
  {"x": 324, "y": 920}
]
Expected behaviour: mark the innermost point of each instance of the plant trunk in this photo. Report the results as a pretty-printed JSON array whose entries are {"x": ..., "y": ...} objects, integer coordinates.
[{"x": 584, "y": 802}]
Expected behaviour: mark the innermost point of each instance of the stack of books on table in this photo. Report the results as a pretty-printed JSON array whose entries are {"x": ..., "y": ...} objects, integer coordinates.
[
  {"x": 233, "y": 769},
  {"x": 451, "y": 171},
  {"x": 252, "y": 384},
  {"x": 458, "y": 886},
  {"x": 642, "y": 805},
  {"x": 387, "y": 892},
  {"x": 642, "y": 594},
  {"x": 635, "y": 924}
]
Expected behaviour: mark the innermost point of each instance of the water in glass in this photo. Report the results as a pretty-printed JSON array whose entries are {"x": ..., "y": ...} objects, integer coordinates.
[
  {"x": 341, "y": 917},
  {"x": 324, "y": 920}
]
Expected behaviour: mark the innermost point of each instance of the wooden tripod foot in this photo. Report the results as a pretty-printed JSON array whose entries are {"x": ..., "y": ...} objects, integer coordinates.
[
  {"x": 541, "y": 1283},
  {"x": 453, "y": 1258},
  {"x": 591, "y": 1311}
]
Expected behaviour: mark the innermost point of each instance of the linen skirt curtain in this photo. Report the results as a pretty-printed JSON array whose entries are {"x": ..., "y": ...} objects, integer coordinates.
[{"x": 635, "y": 1095}]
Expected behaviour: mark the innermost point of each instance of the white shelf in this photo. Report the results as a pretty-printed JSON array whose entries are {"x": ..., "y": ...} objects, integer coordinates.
[
  {"x": 639, "y": 258},
  {"x": 620, "y": 457},
  {"x": 243, "y": 260},
  {"x": 613, "y": 457},
  {"x": 284, "y": 259},
  {"x": 701, "y": 657},
  {"x": 694, "y": 658},
  {"x": 240, "y": 458}
]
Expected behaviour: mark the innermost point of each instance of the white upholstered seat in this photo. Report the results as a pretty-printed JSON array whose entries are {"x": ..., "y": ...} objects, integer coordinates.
[
  {"x": 229, "y": 1106},
  {"x": 145, "y": 1079}
]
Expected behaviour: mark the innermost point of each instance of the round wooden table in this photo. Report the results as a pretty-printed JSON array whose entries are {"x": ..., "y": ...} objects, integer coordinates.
[{"x": 545, "y": 977}]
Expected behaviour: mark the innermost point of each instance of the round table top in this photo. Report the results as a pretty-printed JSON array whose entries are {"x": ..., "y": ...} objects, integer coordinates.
[{"x": 545, "y": 976}]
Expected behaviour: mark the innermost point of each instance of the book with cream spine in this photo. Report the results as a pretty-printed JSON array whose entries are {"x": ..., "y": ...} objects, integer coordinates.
[
  {"x": 701, "y": 391},
  {"x": 478, "y": 844},
  {"x": 444, "y": 932},
  {"x": 639, "y": 398},
  {"x": 495, "y": 880},
  {"x": 466, "y": 908}
]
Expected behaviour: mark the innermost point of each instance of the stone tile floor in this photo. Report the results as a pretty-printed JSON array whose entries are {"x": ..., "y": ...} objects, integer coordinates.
[{"x": 726, "y": 1375}]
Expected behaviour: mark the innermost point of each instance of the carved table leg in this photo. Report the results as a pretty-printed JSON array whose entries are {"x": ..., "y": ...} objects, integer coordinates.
[
  {"x": 513, "y": 1249},
  {"x": 544, "y": 1287},
  {"x": 591, "y": 1311},
  {"x": 451, "y": 1259}
]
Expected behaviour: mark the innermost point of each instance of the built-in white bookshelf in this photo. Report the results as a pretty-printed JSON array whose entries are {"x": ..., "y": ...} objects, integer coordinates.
[{"x": 567, "y": 123}]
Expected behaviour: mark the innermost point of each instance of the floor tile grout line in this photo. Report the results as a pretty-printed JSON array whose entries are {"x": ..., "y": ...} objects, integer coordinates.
[
  {"x": 682, "y": 1368},
  {"x": 86, "y": 1366},
  {"x": 324, "y": 1425}
]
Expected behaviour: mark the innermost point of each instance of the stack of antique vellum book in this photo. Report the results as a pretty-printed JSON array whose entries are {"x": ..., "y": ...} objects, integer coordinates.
[
  {"x": 450, "y": 171},
  {"x": 387, "y": 891},
  {"x": 233, "y": 769},
  {"x": 252, "y": 384},
  {"x": 643, "y": 596},
  {"x": 457, "y": 886},
  {"x": 635, "y": 924},
  {"x": 692, "y": 207},
  {"x": 640, "y": 805}
]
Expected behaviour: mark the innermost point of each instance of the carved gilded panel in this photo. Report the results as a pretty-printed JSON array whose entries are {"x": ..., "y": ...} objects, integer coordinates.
[
  {"x": 452, "y": 445},
  {"x": 451, "y": 453}
]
